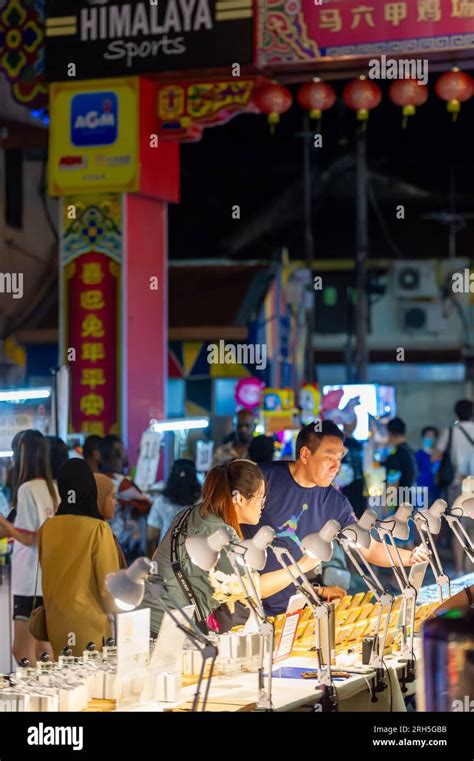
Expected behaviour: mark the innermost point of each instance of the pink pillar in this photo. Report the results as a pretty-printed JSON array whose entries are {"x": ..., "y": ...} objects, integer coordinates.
[{"x": 145, "y": 314}]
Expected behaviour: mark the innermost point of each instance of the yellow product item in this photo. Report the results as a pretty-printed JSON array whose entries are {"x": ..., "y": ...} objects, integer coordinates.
[
  {"x": 353, "y": 615},
  {"x": 343, "y": 604},
  {"x": 357, "y": 600},
  {"x": 366, "y": 611}
]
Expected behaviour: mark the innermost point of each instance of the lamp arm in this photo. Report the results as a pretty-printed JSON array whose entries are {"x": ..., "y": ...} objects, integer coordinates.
[
  {"x": 373, "y": 583},
  {"x": 319, "y": 609},
  {"x": 461, "y": 535},
  {"x": 168, "y": 604},
  {"x": 265, "y": 628},
  {"x": 253, "y": 599},
  {"x": 434, "y": 560},
  {"x": 299, "y": 579},
  {"x": 399, "y": 572},
  {"x": 207, "y": 648},
  {"x": 384, "y": 598}
]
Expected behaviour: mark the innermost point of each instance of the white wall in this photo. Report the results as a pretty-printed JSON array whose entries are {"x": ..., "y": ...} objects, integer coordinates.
[{"x": 420, "y": 404}]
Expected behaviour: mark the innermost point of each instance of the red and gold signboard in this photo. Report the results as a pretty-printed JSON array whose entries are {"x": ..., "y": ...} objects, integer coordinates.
[
  {"x": 298, "y": 31},
  {"x": 186, "y": 107},
  {"x": 92, "y": 282},
  {"x": 91, "y": 288}
]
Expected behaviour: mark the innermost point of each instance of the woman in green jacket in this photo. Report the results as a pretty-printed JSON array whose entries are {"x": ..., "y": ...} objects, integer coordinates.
[{"x": 233, "y": 494}]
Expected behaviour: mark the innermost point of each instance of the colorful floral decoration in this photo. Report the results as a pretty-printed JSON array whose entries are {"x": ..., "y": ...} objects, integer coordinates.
[
  {"x": 285, "y": 34},
  {"x": 96, "y": 225},
  {"x": 22, "y": 50}
]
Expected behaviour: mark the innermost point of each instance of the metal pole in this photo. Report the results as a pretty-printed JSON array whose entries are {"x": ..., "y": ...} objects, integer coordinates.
[
  {"x": 308, "y": 240},
  {"x": 362, "y": 250}
]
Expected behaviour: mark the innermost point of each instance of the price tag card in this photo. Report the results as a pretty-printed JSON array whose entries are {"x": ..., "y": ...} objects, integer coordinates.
[
  {"x": 288, "y": 636},
  {"x": 148, "y": 459}
]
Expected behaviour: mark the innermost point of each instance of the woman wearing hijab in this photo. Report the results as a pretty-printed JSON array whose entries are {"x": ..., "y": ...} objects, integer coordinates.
[
  {"x": 77, "y": 550},
  {"x": 107, "y": 501}
]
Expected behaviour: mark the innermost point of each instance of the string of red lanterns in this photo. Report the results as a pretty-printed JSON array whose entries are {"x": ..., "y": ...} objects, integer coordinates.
[{"x": 363, "y": 95}]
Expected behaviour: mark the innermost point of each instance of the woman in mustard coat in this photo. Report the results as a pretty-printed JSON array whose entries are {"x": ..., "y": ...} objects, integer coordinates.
[{"x": 77, "y": 550}]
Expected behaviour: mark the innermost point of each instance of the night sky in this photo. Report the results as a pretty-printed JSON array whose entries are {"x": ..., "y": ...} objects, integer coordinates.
[{"x": 241, "y": 163}]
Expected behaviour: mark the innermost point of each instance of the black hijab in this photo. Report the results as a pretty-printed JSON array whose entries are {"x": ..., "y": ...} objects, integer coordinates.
[{"x": 77, "y": 489}]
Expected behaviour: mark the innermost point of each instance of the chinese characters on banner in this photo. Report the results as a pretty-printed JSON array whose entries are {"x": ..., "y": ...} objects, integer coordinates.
[
  {"x": 92, "y": 283},
  {"x": 304, "y": 30},
  {"x": 184, "y": 108},
  {"x": 91, "y": 258}
]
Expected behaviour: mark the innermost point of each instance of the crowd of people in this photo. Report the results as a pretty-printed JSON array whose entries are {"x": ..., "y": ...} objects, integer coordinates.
[{"x": 75, "y": 520}]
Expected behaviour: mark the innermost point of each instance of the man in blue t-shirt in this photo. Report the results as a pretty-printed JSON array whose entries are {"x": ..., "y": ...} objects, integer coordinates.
[{"x": 299, "y": 501}]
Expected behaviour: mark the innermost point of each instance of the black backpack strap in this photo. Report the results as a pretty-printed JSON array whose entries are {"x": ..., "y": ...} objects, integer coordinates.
[
  {"x": 180, "y": 529},
  {"x": 471, "y": 441}
]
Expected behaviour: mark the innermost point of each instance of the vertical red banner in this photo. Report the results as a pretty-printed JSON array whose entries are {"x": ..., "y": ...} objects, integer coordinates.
[{"x": 92, "y": 300}]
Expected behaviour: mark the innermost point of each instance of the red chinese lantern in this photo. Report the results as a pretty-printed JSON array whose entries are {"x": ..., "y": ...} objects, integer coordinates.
[
  {"x": 408, "y": 93},
  {"x": 362, "y": 95},
  {"x": 272, "y": 99},
  {"x": 316, "y": 97},
  {"x": 455, "y": 87}
]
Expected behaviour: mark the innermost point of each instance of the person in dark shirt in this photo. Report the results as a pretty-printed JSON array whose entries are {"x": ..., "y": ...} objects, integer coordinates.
[
  {"x": 354, "y": 457},
  {"x": 401, "y": 463},
  {"x": 426, "y": 467},
  {"x": 300, "y": 499}
]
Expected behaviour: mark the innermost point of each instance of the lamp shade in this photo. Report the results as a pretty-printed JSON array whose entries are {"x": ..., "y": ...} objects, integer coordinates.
[
  {"x": 397, "y": 524},
  {"x": 256, "y": 548},
  {"x": 468, "y": 507},
  {"x": 462, "y": 505},
  {"x": 432, "y": 516},
  {"x": 319, "y": 544},
  {"x": 204, "y": 550},
  {"x": 359, "y": 532},
  {"x": 127, "y": 586}
]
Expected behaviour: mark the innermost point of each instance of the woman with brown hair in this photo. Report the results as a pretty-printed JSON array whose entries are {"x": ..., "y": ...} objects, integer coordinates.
[
  {"x": 233, "y": 494},
  {"x": 35, "y": 499}
]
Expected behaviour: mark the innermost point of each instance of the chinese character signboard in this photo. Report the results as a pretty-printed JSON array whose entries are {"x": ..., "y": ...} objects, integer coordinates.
[
  {"x": 94, "y": 140},
  {"x": 304, "y": 30},
  {"x": 184, "y": 108},
  {"x": 121, "y": 38},
  {"x": 91, "y": 303}
]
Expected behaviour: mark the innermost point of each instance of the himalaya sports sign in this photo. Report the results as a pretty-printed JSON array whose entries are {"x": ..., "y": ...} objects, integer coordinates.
[{"x": 98, "y": 38}]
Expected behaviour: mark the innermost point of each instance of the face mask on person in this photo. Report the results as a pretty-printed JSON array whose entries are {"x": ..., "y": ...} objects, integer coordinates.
[{"x": 427, "y": 443}]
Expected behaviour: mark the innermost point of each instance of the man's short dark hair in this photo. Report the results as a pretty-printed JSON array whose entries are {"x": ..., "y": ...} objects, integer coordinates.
[
  {"x": 108, "y": 448},
  {"x": 91, "y": 445},
  {"x": 429, "y": 428},
  {"x": 261, "y": 450},
  {"x": 463, "y": 409},
  {"x": 396, "y": 426},
  {"x": 311, "y": 435}
]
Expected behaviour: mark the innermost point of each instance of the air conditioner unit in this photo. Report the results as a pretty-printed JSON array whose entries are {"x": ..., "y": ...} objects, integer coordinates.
[
  {"x": 415, "y": 279},
  {"x": 417, "y": 317}
]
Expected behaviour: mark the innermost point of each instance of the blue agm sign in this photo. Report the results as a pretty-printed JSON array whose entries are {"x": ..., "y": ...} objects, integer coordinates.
[
  {"x": 94, "y": 119},
  {"x": 103, "y": 38}
]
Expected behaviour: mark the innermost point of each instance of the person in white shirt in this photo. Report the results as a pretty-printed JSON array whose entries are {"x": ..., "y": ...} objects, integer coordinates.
[
  {"x": 35, "y": 498},
  {"x": 462, "y": 458},
  {"x": 182, "y": 490}
]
